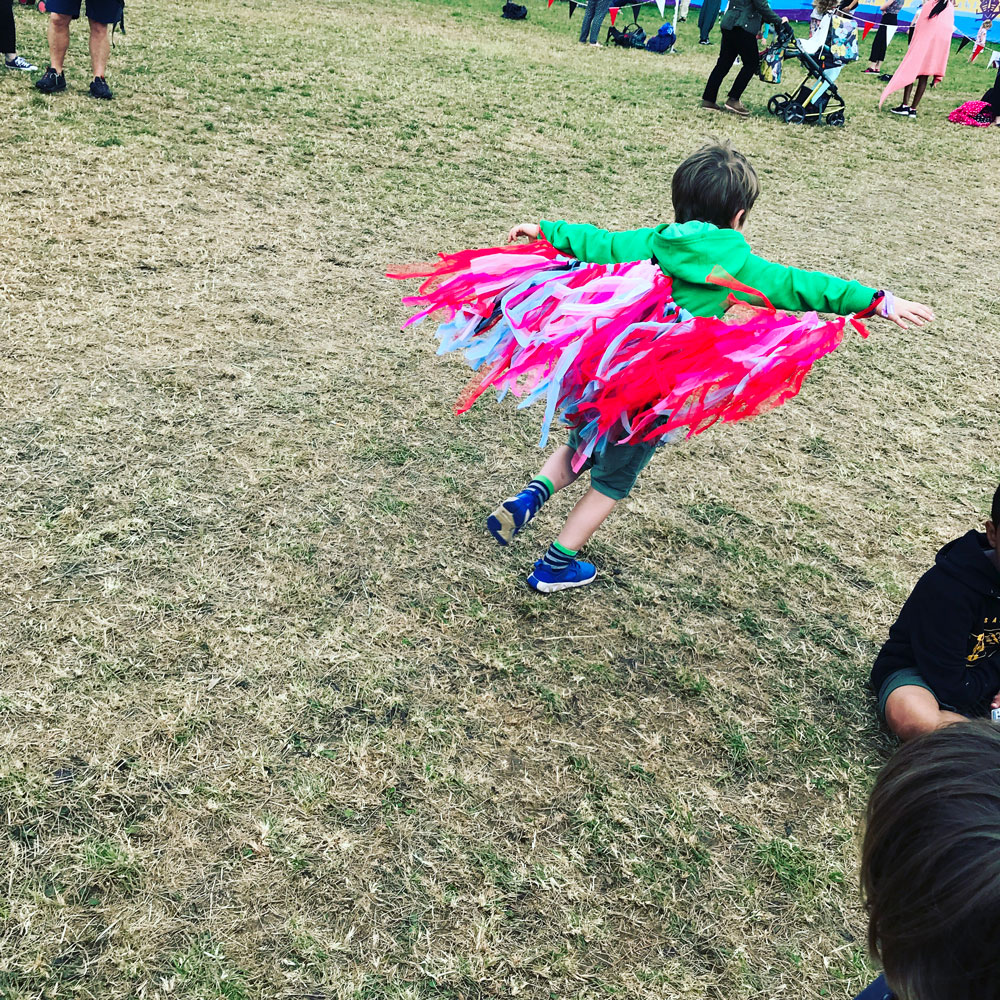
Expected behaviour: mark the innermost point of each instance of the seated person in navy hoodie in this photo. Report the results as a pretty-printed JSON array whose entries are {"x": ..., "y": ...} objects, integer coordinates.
[
  {"x": 941, "y": 662},
  {"x": 930, "y": 867}
]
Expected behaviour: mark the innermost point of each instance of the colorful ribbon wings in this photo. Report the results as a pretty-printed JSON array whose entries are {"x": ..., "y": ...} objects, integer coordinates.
[{"x": 607, "y": 348}]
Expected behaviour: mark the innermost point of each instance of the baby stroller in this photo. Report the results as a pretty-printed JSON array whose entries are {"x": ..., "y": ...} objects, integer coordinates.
[{"x": 831, "y": 46}]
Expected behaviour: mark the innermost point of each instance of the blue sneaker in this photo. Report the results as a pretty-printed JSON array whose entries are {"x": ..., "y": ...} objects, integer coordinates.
[
  {"x": 547, "y": 580},
  {"x": 509, "y": 518}
]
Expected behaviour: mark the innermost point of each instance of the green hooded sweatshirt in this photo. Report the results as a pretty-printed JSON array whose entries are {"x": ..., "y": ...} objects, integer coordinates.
[{"x": 688, "y": 252}]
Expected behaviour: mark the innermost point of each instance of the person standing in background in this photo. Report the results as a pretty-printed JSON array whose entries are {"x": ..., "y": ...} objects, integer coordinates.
[
  {"x": 927, "y": 57},
  {"x": 101, "y": 14},
  {"x": 706, "y": 19},
  {"x": 593, "y": 18},
  {"x": 739, "y": 28},
  {"x": 8, "y": 39},
  {"x": 890, "y": 17}
]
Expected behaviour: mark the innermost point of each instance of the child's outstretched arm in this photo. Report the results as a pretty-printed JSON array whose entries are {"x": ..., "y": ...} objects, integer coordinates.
[
  {"x": 588, "y": 243},
  {"x": 795, "y": 288}
]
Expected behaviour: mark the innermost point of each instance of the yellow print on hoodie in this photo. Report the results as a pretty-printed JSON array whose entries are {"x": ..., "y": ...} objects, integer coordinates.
[{"x": 987, "y": 641}]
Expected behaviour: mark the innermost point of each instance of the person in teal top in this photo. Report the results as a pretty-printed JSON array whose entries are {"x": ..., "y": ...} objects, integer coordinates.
[{"x": 712, "y": 192}]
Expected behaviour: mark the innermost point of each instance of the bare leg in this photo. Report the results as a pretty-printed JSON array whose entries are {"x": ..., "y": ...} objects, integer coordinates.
[
  {"x": 100, "y": 48},
  {"x": 911, "y": 710},
  {"x": 584, "y": 519},
  {"x": 558, "y": 468},
  {"x": 906, "y": 94},
  {"x": 58, "y": 40},
  {"x": 921, "y": 87}
]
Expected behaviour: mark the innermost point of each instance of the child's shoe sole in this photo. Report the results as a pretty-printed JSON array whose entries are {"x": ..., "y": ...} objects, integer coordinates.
[{"x": 501, "y": 525}]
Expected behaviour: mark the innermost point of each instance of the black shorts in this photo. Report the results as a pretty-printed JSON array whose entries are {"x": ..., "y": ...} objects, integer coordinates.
[{"x": 102, "y": 11}]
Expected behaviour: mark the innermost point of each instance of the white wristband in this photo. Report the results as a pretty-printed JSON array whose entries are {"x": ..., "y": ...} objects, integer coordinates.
[{"x": 888, "y": 304}]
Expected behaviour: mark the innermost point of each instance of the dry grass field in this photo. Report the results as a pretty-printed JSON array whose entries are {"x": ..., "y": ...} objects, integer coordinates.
[{"x": 276, "y": 718}]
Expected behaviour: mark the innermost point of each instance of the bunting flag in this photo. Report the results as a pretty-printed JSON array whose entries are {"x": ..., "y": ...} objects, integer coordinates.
[
  {"x": 864, "y": 34},
  {"x": 890, "y": 30},
  {"x": 613, "y": 11},
  {"x": 572, "y": 8},
  {"x": 975, "y": 52},
  {"x": 660, "y": 4},
  {"x": 962, "y": 44},
  {"x": 994, "y": 62},
  {"x": 636, "y": 7}
]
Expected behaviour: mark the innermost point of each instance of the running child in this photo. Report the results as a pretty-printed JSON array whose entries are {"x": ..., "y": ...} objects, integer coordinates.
[
  {"x": 713, "y": 191},
  {"x": 627, "y": 342}
]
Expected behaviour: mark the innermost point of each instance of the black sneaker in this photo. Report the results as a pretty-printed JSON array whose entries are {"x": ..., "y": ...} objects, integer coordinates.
[
  {"x": 51, "y": 81},
  {"x": 912, "y": 112},
  {"x": 99, "y": 88},
  {"x": 903, "y": 110}
]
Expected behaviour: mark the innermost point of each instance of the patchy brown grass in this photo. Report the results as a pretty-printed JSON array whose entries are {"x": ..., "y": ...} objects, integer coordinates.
[{"x": 277, "y": 719}]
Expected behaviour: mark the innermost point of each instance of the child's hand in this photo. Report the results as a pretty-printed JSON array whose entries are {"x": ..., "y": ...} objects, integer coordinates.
[
  {"x": 528, "y": 229},
  {"x": 901, "y": 312},
  {"x": 996, "y": 701}
]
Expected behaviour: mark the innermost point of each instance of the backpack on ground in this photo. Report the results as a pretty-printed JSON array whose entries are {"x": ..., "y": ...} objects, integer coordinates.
[
  {"x": 632, "y": 37},
  {"x": 663, "y": 40},
  {"x": 514, "y": 11}
]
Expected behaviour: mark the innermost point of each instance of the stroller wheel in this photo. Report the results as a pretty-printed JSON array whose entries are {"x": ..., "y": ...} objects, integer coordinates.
[
  {"x": 777, "y": 104},
  {"x": 794, "y": 113},
  {"x": 836, "y": 118}
]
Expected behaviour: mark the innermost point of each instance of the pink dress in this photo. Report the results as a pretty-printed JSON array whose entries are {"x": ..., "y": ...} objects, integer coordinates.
[{"x": 929, "y": 50}]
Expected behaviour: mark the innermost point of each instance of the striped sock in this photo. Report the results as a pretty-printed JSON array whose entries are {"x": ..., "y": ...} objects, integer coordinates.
[
  {"x": 536, "y": 493},
  {"x": 558, "y": 557}
]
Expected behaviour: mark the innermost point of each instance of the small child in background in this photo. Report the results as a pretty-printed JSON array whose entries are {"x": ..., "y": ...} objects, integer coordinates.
[
  {"x": 930, "y": 868},
  {"x": 713, "y": 191},
  {"x": 941, "y": 662}
]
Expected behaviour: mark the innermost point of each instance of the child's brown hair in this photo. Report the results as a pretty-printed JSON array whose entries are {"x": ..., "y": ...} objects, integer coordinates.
[
  {"x": 930, "y": 867},
  {"x": 713, "y": 184}
]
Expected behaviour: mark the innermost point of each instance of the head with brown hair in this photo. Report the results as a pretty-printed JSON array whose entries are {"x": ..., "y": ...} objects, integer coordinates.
[
  {"x": 930, "y": 867},
  {"x": 714, "y": 184}
]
